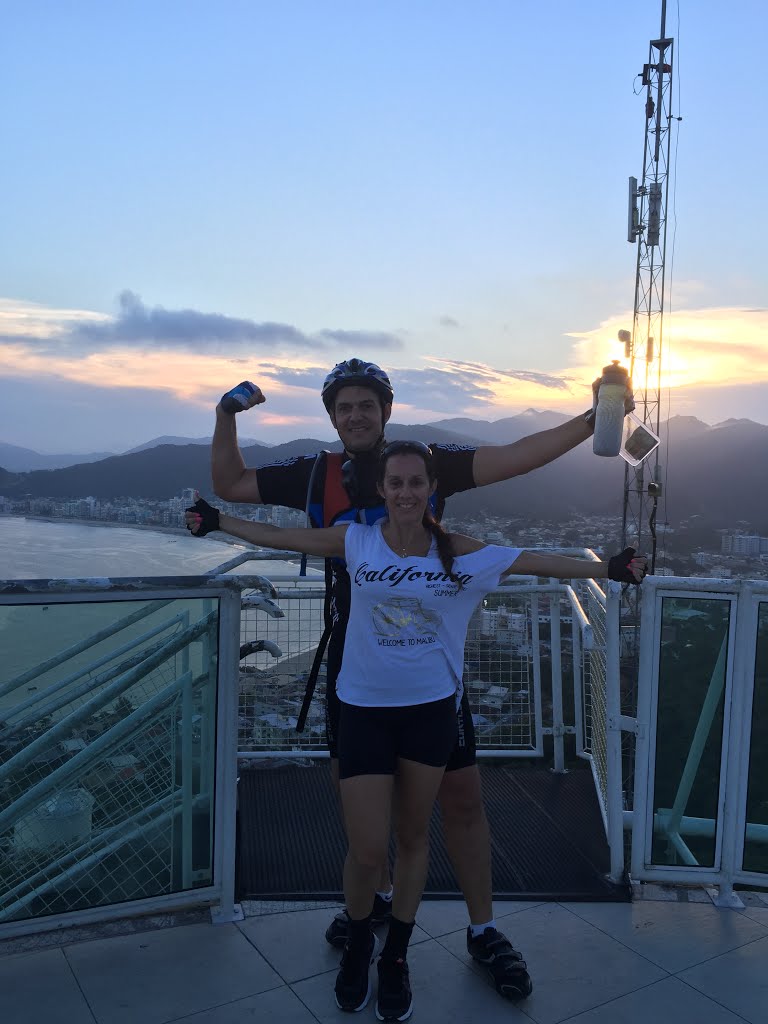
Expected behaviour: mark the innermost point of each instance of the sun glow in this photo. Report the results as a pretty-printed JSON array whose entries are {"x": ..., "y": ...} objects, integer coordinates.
[
  {"x": 705, "y": 348},
  {"x": 699, "y": 347}
]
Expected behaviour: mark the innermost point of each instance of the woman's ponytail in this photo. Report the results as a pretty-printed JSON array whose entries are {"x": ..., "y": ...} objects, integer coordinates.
[{"x": 444, "y": 546}]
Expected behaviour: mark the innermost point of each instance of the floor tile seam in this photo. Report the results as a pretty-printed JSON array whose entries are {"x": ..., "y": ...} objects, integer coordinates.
[
  {"x": 573, "y": 1019},
  {"x": 308, "y": 1008},
  {"x": 514, "y": 913},
  {"x": 79, "y": 986},
  {"x": 331, "y": 905},
  {"x": 497, "y": 918},
  {"x": 619, "y": 942},
  {"x": 292, "y": 981},
  {"x": 228, "y": 1002},
  {"x": 260, "y": 953},
  {"x": 724, "y": 952},
  {"x": 713, "y": 1000},
  {"x": 745, "y": 913}
]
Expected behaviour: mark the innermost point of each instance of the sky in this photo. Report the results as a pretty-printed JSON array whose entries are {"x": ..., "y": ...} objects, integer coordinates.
[{"x": 196, "y": 194}]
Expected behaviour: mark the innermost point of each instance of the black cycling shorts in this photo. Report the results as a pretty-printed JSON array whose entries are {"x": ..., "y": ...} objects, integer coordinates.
[
  {"x": 372, "y": 739},
  {"x": 463, "y": 755}
]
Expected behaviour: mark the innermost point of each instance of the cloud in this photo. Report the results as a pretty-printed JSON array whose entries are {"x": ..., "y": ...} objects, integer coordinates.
[
  {"x": 448, "y": 321},
  {"x": 457, "y": 386},
  {"x": 711, "y": 358},
  {"x": 439, "y": 389},
  {"x": 481, "y": 371},
  {"x": 139, "y": 327},
  {"x": 295, "y": 376},
  {"x": 362, "y": 341}
]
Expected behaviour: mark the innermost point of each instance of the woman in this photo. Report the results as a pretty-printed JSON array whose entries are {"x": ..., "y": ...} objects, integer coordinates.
[{"x": 414, "y": 589}]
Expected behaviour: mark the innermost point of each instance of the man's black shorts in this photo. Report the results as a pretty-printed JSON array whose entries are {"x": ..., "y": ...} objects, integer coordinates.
[
  {"x": 372, "y": 739},
  {"x": 464, "y": 753}
]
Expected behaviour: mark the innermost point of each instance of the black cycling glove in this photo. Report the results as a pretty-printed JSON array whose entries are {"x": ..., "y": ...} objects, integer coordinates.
[
  {"x": 618, "y": 567},
  {"x": 209, "y": 518}
]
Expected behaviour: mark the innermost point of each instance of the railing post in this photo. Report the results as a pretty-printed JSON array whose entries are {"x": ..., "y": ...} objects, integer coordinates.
[
  {"x": 536, "y": 656},
  {"x": 577, "y": 624},
  {"x": 558, "y": 726},
  {"x": 186, "y": 772},
  {"x": 739, "y": 730},
  {"x": 613, "y": 730},
  {"x": 226, "y": 760},
  {"x": 208, "y": 724}
]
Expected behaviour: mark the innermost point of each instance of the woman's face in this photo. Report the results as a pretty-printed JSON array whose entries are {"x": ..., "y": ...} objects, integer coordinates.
[{"x": 406, "y": 487}]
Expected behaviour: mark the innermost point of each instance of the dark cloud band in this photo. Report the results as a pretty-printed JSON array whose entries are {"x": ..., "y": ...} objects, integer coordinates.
[{"x": 138, "y": 326}]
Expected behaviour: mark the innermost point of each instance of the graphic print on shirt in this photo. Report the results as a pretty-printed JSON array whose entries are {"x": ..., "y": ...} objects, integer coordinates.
[{"x": 405, "y": 618}]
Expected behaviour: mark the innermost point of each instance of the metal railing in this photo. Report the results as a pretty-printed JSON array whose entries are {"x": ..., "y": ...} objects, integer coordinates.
[
  {"x": 701, "y": 781},
  {"x": 124, "y": 705},
  {"x": 117, "y": 752}
]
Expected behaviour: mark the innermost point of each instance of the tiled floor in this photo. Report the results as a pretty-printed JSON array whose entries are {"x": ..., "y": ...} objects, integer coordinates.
[{"x": 641, "y": 963}]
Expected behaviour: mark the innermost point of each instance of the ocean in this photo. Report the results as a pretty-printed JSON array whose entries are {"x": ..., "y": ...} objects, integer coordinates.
[{"x": 37, "y": 549}]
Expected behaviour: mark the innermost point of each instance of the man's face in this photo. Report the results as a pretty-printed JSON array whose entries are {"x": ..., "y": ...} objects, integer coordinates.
[{"x": 359, "y": 418}]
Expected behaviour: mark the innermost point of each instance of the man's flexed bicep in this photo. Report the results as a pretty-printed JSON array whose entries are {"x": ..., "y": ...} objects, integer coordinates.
[{"x": 232, "y": 480}]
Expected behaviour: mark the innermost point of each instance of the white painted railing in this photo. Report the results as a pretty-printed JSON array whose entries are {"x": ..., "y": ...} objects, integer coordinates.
[{"x": 701, "y": 719}]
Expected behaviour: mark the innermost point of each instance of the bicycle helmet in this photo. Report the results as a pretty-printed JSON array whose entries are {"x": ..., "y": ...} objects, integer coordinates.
[{"x": 356, "y": 372}]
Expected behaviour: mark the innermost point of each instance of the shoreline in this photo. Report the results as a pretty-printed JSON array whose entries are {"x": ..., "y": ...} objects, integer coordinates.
[{"x": 178, "y": 531}]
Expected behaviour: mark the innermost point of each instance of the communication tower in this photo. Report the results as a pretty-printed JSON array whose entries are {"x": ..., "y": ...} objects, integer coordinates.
[{"x": 643, "y": 346}]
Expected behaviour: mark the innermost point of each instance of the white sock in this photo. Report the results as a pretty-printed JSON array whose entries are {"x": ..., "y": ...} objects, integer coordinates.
[
  {"x": 478, "y": 929},
  {"x": 386, "y": 896}
]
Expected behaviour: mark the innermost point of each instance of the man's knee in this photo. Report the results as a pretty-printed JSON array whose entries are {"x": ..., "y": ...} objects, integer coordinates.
[{"x": 461, "y": 797}]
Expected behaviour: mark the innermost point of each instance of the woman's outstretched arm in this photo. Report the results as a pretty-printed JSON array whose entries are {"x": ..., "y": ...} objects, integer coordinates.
[
  {"x": 202, "y": 518},
  {"x": 626, "y": 567}
]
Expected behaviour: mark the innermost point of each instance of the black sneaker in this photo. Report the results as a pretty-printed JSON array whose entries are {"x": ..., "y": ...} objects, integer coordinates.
[
  {"x": 394, "y": 1000},
  {"x": 504, "y": 964},
  {"x": 336, "y": 932},
  {"x": 353, "y": 982}
]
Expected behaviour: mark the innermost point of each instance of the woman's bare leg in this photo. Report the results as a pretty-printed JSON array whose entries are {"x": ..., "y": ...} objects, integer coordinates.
[
  {"x": 384, "y": 882},
  {"x": 416, "y": 791},
  {"x": 367, "y": 801}
]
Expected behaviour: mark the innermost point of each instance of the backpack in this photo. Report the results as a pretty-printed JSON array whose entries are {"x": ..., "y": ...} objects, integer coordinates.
[{"x": 326, "y": 482}]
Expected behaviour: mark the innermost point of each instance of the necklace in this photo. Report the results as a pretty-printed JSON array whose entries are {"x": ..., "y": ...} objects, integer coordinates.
[{"x": 402, "y": 549}]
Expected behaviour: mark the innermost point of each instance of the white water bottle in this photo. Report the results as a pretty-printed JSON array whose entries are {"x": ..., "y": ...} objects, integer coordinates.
[{"x": 609, "y": 417}]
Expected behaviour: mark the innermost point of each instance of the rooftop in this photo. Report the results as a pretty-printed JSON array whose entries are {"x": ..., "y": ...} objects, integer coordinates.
[{"x": 671, "y": 955}]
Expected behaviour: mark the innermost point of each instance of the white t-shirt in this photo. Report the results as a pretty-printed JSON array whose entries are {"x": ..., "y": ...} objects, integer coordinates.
[{"x": 408, "y": 621}]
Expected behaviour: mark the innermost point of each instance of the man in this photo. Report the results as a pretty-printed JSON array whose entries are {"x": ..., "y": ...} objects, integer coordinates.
[{"x": 358, "y": 397}]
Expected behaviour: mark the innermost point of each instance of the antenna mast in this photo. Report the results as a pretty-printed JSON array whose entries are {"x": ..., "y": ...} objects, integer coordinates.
[{"x": 648, "y": 227}]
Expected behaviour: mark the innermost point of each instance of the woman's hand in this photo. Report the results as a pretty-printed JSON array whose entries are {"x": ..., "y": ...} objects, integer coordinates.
[
  {"x": 627, "y": 567},
  {"x": 201, "y": 518}
]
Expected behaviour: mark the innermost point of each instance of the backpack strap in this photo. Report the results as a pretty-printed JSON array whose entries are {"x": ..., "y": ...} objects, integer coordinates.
[
  {"x": 335, "y": 497},
  {"x": 334, "y": 501}
]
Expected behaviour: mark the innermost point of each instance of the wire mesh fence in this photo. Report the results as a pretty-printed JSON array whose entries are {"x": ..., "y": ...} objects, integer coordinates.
[
  {"x": 107, "y": 740},
  {"x": 498, "y": 672},
  {"x": 595, "y": 723}
]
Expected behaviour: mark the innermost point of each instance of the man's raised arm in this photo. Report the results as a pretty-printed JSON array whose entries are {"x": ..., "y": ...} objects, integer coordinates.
[
  {"x": 232, "y": 480},
  {"x": 500, "y": 462}
]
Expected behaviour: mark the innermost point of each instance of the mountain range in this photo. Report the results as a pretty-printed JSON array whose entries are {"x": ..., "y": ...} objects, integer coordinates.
[
  {"x": 24, "y": 460},
  {"x": 719, "y": 473}
]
